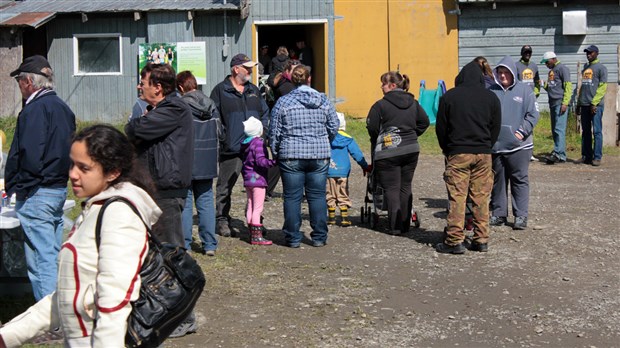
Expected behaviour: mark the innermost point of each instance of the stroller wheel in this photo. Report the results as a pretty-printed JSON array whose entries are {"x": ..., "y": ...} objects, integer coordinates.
[
  {"x": 415, "y": 219},
  {"x": 374, "y": 220},
  {"x": 368, "y": 214},
  {"x": 362, "y": 214}
]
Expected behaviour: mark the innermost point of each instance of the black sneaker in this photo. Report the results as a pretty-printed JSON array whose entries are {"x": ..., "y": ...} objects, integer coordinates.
[
  {"x": 450, "y": 249},
  {"x": 188, "y": 326},
  {"x": 223, "y": 229},
  {"x": 479, "y": 247},
  {"x": 497, "y": 220},
  {"x": 520, "y": 223},
  {"x": 553, "y": 159}
]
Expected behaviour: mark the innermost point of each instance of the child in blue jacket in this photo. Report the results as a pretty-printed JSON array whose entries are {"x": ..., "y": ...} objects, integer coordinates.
[{"x": 342, "y": 146}]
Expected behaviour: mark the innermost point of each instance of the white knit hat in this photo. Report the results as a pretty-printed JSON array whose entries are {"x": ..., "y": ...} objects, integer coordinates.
[
  {"x": 343, "y": 122},
  {"x": 253, "y": 127}
]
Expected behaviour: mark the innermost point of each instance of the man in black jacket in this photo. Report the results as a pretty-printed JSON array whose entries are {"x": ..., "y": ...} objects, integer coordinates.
[
  {"x": 236, "y": 99},
  {"x": 468, "y": 124},
  {"x": 164, "y": 140}
]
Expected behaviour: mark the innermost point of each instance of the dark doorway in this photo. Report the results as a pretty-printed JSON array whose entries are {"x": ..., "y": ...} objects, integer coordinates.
[
  {"x": 35, "y": 42},
  {"x": 286, "y": 34}
]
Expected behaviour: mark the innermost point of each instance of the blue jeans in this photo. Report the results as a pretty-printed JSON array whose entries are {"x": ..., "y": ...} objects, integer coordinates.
[
  {"x": 591, "y": 123},
  {"x": 41, "y": 218},
  {"x": 201, "y": 193},
  {"x": 299, "y": 175},
  {"x": 558, "y": 128}
]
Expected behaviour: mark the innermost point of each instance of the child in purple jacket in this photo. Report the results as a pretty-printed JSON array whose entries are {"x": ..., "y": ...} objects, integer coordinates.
[{"x": 254, "y": 171}]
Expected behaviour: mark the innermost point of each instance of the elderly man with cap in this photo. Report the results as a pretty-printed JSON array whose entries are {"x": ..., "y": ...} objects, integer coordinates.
[
  {"x": 37, "y": 170},
  {"x": 559, "y": 88},
  {"x": 590, "y": 106},
  {"x": 236, "y": 99}
]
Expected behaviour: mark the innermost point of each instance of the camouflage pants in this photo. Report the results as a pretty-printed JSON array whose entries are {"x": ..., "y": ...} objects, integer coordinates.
[{"x": 468, "y": 174}]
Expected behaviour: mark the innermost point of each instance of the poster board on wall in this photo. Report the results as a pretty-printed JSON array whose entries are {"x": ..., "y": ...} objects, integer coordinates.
[{"x": 181, "y": 56}]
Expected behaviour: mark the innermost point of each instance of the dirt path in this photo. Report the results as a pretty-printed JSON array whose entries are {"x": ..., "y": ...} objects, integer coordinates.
[{"x": 556, "y": 284}]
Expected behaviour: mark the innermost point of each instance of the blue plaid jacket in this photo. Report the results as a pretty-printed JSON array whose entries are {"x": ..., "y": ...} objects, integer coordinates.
[{"x": 303, "y": 123}]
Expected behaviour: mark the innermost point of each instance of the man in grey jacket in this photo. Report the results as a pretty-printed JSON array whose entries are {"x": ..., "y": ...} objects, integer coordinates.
[{"x": 513, "y": 149}]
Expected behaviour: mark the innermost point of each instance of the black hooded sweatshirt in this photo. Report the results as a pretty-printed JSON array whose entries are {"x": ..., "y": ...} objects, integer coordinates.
[
  {"x": 394, "y": 124},
  {"x": 469, "y": 116}
]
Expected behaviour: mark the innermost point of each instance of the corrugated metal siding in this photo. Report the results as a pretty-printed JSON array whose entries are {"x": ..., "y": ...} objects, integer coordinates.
[
  {"x": 169, "y": 26},
  {"x": 96, "y": 98},
  {"x": 496, "y": 33},
  {"x": 291, "y": 9},
  {"x": 210, "y": 29}
]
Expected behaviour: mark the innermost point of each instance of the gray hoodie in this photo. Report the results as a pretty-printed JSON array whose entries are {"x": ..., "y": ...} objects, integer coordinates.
[{"x": 519, "y": 112}]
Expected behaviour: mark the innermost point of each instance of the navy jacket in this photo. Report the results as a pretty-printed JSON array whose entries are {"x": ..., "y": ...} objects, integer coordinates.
[
  {"x": 207, "y": 130},
  {"x": 234, "y": 108},
  {"x": 39, "y": 154}
]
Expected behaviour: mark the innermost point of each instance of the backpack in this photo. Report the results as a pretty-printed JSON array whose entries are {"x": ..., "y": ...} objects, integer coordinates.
[{"x": 172, "y": 282}]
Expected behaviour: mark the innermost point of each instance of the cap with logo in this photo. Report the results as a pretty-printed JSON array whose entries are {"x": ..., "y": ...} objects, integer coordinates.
[{"x": 242, "y": 59}]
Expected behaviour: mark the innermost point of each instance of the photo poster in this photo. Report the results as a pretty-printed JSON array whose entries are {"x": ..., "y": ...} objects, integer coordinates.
[
  {"x": 158, "y": 53},
  {"x": 182, "y": 56}
]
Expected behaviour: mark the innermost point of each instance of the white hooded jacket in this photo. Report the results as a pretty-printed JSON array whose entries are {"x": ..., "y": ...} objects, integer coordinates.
[{"x": 94, "y": 287}]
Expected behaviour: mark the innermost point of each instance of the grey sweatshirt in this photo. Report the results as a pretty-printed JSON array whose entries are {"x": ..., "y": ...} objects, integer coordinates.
[{"x": 519, "y": 112}]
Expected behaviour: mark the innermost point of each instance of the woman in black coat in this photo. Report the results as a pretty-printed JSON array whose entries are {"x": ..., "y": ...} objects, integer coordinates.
[{"x": 394, "y": 124}]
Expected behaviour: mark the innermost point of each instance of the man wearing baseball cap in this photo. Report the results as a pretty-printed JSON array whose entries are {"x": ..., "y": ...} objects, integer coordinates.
[
  {"x": 559, "y": 88},
  {"x": 527, "y": 71},
  {"x": 236, "y": 99},
  {"x": 590, "y": 106},
  {"x": 37, "y": 170}
]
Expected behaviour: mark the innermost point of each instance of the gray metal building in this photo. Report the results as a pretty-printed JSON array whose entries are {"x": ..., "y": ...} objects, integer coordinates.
[
  {"x": 497, "y": 28},
  {"x": 227, "y": 27}
]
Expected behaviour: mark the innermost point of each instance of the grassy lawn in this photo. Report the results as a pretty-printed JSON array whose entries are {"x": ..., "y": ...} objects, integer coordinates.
[{"x": 543, "y": 139}]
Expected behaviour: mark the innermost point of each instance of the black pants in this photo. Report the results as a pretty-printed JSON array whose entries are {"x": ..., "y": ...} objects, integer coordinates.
[
  {"x": 168, "y": 227},
  {"x": 394, "y": 175},
  {"x": 273, "y": 176},
  {"x": 230, "y": 168}
]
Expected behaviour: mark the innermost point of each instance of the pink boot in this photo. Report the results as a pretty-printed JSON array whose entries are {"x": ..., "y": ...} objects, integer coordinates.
[{"x": 256, "y": 236}]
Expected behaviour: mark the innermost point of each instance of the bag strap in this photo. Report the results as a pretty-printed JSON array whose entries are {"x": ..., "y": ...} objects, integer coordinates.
[{"x": 135, "y": 210}]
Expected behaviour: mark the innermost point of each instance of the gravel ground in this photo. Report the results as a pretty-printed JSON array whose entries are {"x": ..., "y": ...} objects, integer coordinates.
[{"x": 556, "y": 284}]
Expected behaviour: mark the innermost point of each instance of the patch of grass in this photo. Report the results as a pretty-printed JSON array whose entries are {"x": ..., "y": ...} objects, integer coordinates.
[{"x": 543, "y": 137}]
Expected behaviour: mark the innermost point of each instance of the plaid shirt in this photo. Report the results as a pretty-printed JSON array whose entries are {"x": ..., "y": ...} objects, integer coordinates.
[{"x": 303, "y": 123}]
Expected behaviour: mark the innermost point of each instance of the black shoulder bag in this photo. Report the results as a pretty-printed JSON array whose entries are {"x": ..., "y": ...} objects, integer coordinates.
[{"x": 172, "y": 282}]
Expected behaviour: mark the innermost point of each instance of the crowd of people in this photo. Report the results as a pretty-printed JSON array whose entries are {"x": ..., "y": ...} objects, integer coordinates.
[{"x": 169, "y": 156}]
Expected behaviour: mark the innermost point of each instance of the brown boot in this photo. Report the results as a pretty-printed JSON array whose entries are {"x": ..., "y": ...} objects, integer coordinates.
[
  {"x": 256, "y": 236},
  {"x": 331, "y": 216},
  {"x": 344, "y": 217}
]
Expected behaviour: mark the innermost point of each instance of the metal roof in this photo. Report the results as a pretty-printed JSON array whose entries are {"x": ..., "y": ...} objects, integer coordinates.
[
  {"x": 35, "y": 13},
  {"x": 87, "y": 6}
]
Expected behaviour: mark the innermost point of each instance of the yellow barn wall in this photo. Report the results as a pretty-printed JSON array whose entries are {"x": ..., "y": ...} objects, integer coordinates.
[
  {"x": 419, "y": 37},
  {"x": 361, "y": 51}
]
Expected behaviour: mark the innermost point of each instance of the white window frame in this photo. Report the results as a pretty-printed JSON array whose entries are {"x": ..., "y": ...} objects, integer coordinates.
[{"x": 76, "y": 60}]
